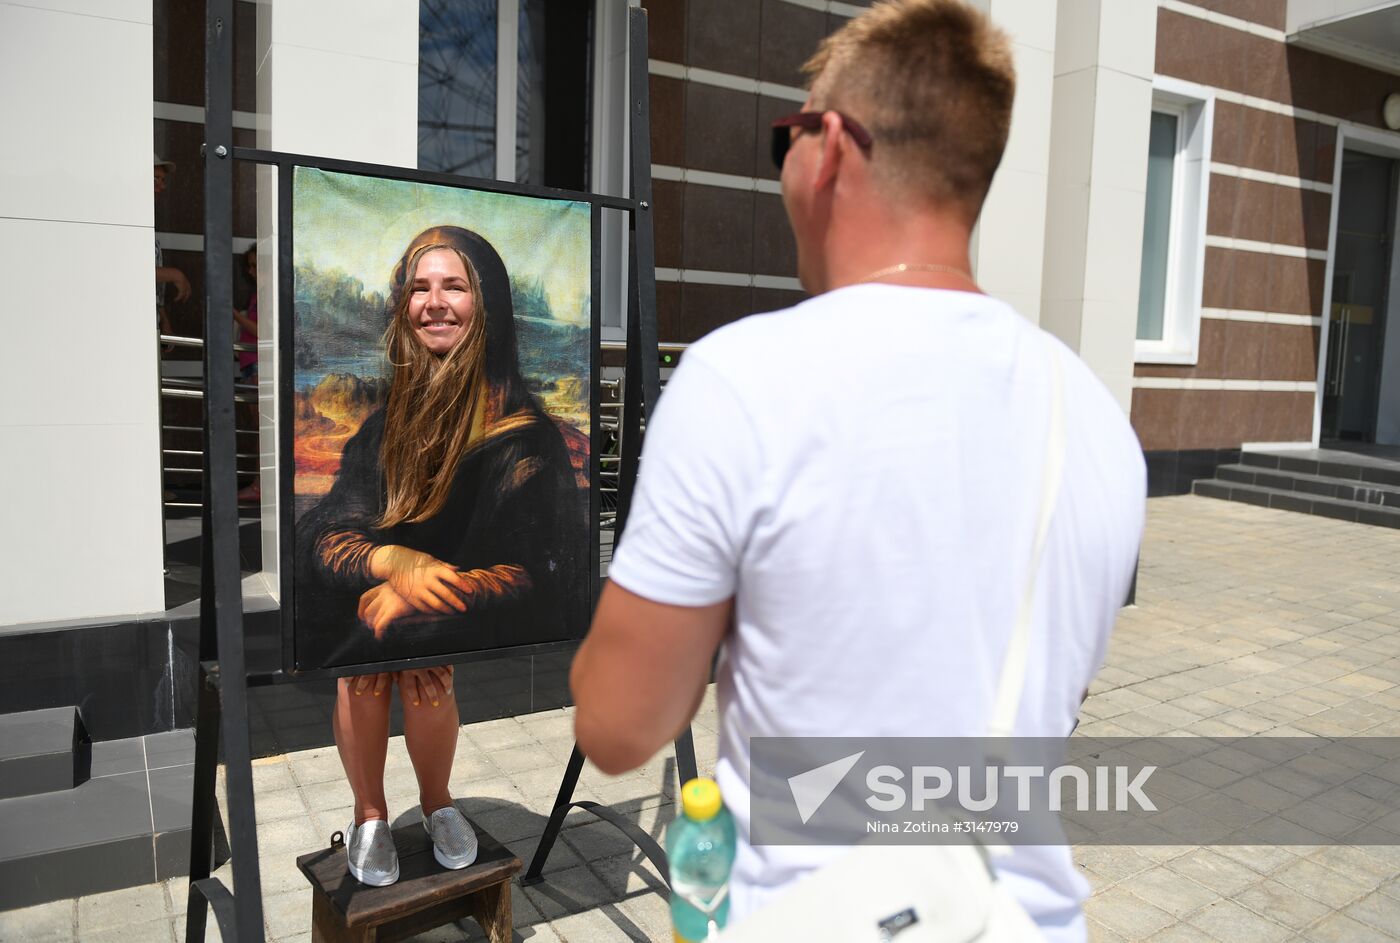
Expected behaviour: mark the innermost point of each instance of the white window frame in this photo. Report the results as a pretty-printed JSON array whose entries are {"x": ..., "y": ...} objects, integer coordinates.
[
  {"x": 611, "y": 144},
  {"x": 609, "y": 135},
  {"x": 612, "y": 160},
  {"x": 1194, "y": 107}
]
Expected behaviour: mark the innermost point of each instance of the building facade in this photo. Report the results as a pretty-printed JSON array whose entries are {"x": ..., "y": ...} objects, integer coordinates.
[{"x": 1197, "y": 197}]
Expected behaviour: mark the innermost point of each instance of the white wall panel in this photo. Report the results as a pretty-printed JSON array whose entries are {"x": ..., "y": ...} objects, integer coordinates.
[
  {"x": 1104, "y": 57},
  {"x": 1008, "y": 244},
  {"x": 86, "y": 360},
  {"x": 336, "y": 105},
  {"x": 335, "y": 78},
  {"x": 76, "y": 114},
  {"x": 133, "y": 11},
  {"x": 79, "y": 538},
  {"x": 79, "y": 397},
  {"x": 365, "y": 29}
]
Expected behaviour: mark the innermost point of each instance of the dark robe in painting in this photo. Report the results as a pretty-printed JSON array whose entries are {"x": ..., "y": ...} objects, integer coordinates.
[{"x": 513, "y": 522}]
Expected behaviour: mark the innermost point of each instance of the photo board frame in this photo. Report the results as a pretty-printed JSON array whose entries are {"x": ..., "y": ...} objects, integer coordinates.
[{"x": 345, "y": 235}]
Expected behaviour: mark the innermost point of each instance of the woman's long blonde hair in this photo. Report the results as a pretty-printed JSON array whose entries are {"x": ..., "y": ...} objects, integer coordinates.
[{"x": 437, "y": 404}]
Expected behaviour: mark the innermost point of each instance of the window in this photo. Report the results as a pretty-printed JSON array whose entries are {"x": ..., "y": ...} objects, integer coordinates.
[
  {"x": 533, "y": 91},
  {"x": 457, "y": 87},
  {"x": 1174, "y": 223},
  {"x": 503, "y": 90}
]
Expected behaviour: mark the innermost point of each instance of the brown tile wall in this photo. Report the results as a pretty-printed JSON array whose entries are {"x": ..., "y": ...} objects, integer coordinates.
[
  {"x": 1200, "y": 51},
  {"x": 1262, "y": 140},
  {"x": 1170, "y": 420},
  {"x": 1268, "y": 212},
  {"x": 1258, "y": 281},
  {"x": 1247, "y": 350},
  {"x": 1271, "y": 13},
  {"x": 701, "y": 127}
]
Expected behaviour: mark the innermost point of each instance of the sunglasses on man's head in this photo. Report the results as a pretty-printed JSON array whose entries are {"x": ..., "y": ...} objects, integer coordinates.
[{"x": 811, "y": 121}]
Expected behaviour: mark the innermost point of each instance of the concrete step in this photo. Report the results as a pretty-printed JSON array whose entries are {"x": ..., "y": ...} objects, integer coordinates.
[
  {"x": 42, "y": 751},
  {"x": 128, "y": 824},
  {"x": 1290, "y": 500},
  {"x": 1329, "y": 463},
  {"x": 1325, "y": 486}
]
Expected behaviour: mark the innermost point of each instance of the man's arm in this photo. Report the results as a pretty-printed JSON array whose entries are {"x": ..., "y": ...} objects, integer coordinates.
[{"x": 639, "y": 676}]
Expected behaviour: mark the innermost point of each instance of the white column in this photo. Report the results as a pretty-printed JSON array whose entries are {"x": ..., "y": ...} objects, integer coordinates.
[
  {"x": 336, "y": 78},
  {"x": 1104, "y": 59},
  {"x": 1008, "y": 244},
  {"x": 79, "y": 393}
]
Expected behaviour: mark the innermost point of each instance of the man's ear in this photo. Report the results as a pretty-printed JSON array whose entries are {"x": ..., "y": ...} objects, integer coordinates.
[{"x": 832, "y": 138}]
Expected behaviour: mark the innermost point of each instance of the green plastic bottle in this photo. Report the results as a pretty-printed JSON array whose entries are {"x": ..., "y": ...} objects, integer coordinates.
[{"x": 700, "y": 847}]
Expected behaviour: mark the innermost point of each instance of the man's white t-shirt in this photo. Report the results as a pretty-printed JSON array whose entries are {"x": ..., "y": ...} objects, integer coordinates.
[{"x": 863, "y": 473}]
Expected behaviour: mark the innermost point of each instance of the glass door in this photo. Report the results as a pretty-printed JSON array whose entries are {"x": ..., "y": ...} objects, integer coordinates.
[{"x": 1361, "y": 273}]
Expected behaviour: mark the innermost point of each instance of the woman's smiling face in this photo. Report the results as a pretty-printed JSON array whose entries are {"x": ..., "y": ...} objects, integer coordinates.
[{"x": 440, "y": 303}]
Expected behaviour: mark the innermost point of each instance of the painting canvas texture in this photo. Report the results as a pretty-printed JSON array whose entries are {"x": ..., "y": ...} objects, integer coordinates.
[{"x": 485, "y": 446}]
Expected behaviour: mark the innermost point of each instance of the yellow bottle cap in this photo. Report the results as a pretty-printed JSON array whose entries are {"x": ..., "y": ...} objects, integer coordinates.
[{"x": 700, "y": 799}]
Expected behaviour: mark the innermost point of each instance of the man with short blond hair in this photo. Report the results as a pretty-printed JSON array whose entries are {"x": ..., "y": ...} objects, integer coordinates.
[{"x": 844, "y": 495}]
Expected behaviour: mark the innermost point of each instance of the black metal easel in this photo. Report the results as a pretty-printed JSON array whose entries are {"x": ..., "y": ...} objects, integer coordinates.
[
  {"x": 222, "y": 708},
  {"x": 222, "y": 705},
  {"x": 640, "y": 393}
]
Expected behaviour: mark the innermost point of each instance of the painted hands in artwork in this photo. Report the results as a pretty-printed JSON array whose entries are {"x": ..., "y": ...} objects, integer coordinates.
[
  {"x": 380, "y": 606},
  {"x": 417, "y": 583},
  {"x": 414, "y": 582}
]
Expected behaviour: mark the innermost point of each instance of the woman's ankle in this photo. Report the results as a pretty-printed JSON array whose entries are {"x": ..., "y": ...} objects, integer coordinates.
[{"x": 429, "y": 806}]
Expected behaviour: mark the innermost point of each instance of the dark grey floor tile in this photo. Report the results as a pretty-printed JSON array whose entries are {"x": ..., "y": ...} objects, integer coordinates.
[
  {"x": 1239, "y": 473},
  {"x": 1212, "y": 489},
  {"x": 1250, "y": 496},
  {"x": 1380, "y": 517},
  {"x": 111, "y": 757},
  {"x": 97, "y": 812},
  {"x": 1347, "y": 470},
  {"x": 1341, "y": 512},
  {"x": 1317, "y": 486},
  {"x": 172, "y": 748},
  {"x": 1289, "y": 501},
  {"x": 172, "y": 791},
  {"x": 77, "y": 872}
]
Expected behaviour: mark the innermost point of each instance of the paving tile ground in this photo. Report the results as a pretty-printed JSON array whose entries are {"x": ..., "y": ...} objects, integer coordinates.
[{"x": 1248, "y": 620}]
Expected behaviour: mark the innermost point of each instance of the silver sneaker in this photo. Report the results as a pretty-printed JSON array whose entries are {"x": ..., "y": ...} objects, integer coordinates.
[
  {"x": 370, "y": 853},
  {"x": 454, "y": 842}
]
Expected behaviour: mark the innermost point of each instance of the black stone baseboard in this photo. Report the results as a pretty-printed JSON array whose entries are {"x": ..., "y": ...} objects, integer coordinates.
[
  {"x": 1170, "y": 473},
  {"x": 131, "y": 679}
]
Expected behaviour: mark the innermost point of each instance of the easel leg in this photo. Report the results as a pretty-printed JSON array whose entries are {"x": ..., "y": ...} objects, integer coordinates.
[
  {"x": 685, "y": 757},
  {"x": 535, "y": 874},
  {"x": 205, "y": 808}
]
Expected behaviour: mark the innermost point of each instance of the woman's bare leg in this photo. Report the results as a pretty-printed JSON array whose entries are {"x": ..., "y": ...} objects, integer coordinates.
[
  {"x": 430, "y": 732},
  {"x": 361, "y": 726}
]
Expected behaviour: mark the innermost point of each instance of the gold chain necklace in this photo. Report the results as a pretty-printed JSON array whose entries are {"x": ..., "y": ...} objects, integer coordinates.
[{"x": 903, "y": 267}]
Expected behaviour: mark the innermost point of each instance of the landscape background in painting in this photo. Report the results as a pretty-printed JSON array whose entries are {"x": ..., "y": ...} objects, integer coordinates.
[{"x": 350, "y": 231}]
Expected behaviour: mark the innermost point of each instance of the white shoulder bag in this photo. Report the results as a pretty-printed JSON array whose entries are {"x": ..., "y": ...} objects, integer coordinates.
[{"x": 926, "y": 893}]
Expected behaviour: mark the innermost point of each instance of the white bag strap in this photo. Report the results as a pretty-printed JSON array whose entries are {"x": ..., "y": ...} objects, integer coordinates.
[{"x": 1013, "y": 670}]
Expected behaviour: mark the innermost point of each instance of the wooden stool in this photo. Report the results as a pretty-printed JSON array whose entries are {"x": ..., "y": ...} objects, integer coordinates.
[{"x": 426, "y": 894}]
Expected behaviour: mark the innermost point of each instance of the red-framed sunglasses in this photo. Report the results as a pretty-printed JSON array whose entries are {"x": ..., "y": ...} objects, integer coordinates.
[{"x": 811, "y": 121}]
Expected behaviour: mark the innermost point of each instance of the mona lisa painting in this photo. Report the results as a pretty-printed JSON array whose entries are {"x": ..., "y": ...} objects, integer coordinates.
[{"x": 441, "y": 373}]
